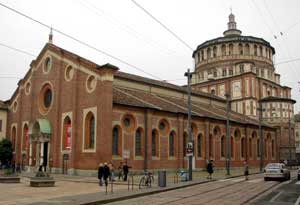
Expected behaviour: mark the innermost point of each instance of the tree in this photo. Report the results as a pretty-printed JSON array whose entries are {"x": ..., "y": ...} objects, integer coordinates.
[{"x": 6, "y": 152}]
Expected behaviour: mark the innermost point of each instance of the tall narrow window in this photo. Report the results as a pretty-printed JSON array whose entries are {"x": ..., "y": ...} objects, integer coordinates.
[
  {"x": 260, "y": 51},
  {"x": 155, "y": 146},
  {"x": 138, "y": 143},
  {"x": 230, "y": 49},
  {"x": 208, "y": 53},
  {"x": 185, "y": 137},
  {"x": 25, "y": 137},
  {"x": 247, "y": 49},
  {"x": 243, "y": 147},
  {"x": 199, "y": 138},
  {"x": 231, "y": 147},
  {"x": 171, "y": 144},
  {"x": 273, "y": 147},
  {"x": 257, "y": 148},
  {"x": 215, "y": 51},
  {"x": 255, "y": 50},
  {"x": 250, "y": 147},
  {"x": 223, "y": 146},
  {"x": 90, "y": 131},
  {"x": 210, "y": 141},
  {"x": 223, "y": 50},
  {"x": 241, "y": 52},
  {"x": 67, "y": 133},
  {"x": 115, "y": 141},
  {"x": 13, "y": 137}
]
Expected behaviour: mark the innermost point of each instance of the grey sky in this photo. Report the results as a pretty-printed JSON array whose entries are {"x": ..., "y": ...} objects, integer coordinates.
[{"x": 123, "y": 30}]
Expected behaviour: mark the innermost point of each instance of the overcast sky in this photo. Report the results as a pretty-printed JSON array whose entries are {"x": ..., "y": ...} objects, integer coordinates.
[{"x": 123, "y": 30}]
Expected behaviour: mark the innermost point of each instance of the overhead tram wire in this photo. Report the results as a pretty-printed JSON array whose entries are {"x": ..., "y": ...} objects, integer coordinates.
[
  {"x": 18, "y": 50},
  {"x": 164, "y": 26},
  {"x": 279, "y": 30},
  {"x": 272, "y": 33},
  {"x": 128, "y": 29},
  {"x": 79, "y": 41}
]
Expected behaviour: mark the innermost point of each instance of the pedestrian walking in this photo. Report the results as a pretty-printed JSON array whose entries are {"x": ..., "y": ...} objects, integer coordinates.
[
  {"x": 125, "y": 171},
  {"x": 210, "y": 169},
  {"x": 106, "y": 173},
  {"x": 112, "y": 171},
  {"x": 246, "y": 169},
  {"x": 120, "y": 171},
  {"x": 100, "y": 174}
]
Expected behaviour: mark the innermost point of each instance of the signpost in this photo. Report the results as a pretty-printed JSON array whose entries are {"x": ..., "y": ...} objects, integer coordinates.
[{"x": 189, "y": 149}]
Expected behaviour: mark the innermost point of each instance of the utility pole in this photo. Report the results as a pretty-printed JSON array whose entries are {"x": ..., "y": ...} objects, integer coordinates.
[
  {"x": 260, "y": 138},
  {"x": 227, "y": 95},
  {"x": 189, "y": 75},
  {"x": 290, "y": 151}
]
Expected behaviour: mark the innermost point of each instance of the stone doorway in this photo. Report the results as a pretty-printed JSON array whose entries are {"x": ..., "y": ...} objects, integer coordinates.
[{"x": 39, "y": 146}]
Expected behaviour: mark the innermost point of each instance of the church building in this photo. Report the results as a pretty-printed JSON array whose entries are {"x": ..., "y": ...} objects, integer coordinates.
[{"x": 69, "y": 114}]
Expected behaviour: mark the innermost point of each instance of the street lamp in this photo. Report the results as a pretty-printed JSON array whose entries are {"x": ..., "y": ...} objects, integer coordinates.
[
  {"x": 227, "y": 95},
  {"x": 189, "y": 75}
]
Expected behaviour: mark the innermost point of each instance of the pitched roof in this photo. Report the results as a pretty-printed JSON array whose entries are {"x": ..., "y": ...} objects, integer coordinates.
[
  {"x": 3, "y": 105},
  {"x": 142, "y": 99}
]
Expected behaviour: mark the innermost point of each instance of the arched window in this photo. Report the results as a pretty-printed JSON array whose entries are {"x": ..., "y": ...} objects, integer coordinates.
[
  {"x": 202, "y": 55},
  {"x": 257, "y": 148},
  {"x": 223, "y": 50},
  {"x": 67, "y": 133},
  {"x": 138, "y": 142},
  {"x": 255, "y": 50},
  {"x": 243, "y": 145},
  {"x": 241, "y": 68},
  {"x": 213, "y": 91},
  {"x": 208, "y": 53},
  {"x": 172, "y": 144},
  {"x": 90, "y": 131},
  {"x": 273, "y": 148},
  {"x": 115, "y": 141},
  {"x": 25, "y": 138},
  {"x": 215, "y": 51},
  {"x": 231, "y": 49},
  {"x": 155, "y": 143},
  {"x": 210, "y": 142},
  {"x": 223, "y": 148},
  {"x": 241, "y": 52},
  {"x": 250, "y": 147},
  {"x": 13, "y": 137},
  {"x": 185, "y": 140},
  {"x": 260, "y": 51},
  {"x": 231, "y": 147},
  {"x": 267, "y": 52},
  {"x": 199, "y": 138},
  {"x": 247, "y": 49}
]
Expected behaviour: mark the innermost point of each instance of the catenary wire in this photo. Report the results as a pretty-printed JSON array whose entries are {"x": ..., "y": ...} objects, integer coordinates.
[
  {"x": 164, "y": 26},
  {"x": 79, "y": 41}
]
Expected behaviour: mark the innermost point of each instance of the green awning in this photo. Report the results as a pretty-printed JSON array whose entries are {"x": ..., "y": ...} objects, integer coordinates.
[{"x": 42, "y": 124}]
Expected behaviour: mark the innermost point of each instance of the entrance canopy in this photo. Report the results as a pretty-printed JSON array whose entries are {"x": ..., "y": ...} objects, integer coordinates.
[{"x": 40, "y": 126}]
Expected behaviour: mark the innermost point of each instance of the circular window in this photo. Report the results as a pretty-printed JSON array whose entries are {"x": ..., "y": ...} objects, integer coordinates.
[
  {"x": 91, "y": 83},
  {"x": 69, "y": 72},
  {"x": 15, "y": 106},
  {"x": 47, "y": 65},
  {"x": 128, "y": 122},
  {"x": 27, "y": 88},
  {"x": 45, "y": 98},
  {"x": 163, "y": 126}
]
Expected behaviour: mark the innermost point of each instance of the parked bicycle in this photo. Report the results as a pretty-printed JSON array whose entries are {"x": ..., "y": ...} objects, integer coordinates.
[{"x": 147, "y": 180}]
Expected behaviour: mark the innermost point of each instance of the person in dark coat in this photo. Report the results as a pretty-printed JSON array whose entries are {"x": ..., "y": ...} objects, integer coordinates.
[
  {"x": 246, "y": 169},
  {"x": 100, "y": 173},
  {"x": 210, "y": 169},
  {"x": 106, "y": 173},
  {"x": 125, "y": 171}
]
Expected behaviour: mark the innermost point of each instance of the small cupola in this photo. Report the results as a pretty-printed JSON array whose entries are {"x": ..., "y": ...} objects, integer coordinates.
[{"x": 232, "y": 30}]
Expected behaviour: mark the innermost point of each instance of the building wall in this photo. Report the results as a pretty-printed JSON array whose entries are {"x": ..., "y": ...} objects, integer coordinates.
[{"x": 3, "y": 123}]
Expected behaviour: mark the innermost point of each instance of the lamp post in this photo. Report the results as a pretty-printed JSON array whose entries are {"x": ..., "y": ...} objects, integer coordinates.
[
  {"x": 189, "y": 75},
  {"x": 227, "y": 95}
]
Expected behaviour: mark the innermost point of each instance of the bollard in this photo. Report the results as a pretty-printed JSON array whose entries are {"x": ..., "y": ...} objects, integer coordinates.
[
  {"x": 128, "y": 183},
  {"x": 111, "y": 186},
  {"x": 132, "y": 182}
]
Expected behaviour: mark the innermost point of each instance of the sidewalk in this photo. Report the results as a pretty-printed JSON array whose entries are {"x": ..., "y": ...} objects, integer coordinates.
[{"x": 121, "y": 191}]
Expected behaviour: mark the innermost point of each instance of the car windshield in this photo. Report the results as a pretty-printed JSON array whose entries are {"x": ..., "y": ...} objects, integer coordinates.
[{"x": 273, "y": 166}]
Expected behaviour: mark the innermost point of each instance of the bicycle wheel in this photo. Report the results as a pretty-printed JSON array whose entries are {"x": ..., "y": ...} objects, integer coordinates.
[{"x": 142, "y": 182}]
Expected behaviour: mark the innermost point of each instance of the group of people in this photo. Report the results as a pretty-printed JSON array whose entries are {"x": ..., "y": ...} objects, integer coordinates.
[
  {"x": 107, "y": 172},
  {"x": 210, "y": 169}
]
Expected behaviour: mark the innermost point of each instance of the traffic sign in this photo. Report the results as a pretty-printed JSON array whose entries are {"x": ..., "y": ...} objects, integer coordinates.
[{"x": 189, "y": 149}]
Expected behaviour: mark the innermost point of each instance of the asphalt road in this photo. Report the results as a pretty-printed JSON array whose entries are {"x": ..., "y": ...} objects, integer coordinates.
[{"x": 288, "y": 193}]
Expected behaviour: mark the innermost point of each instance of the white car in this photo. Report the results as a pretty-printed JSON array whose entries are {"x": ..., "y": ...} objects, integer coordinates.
[{"x": 276, "y": 171}]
